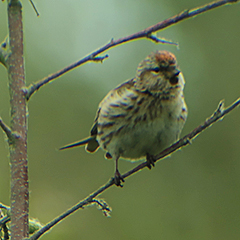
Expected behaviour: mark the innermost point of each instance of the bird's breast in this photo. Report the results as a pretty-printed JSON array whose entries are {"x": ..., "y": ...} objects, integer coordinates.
[{"x": 148, "y": 126}]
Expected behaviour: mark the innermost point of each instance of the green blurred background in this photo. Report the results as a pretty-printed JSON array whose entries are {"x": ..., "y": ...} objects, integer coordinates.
[{"x": 194, "y": 194}]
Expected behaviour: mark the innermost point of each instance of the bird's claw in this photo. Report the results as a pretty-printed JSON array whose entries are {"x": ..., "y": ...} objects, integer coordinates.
[
  {"x": 150, "y": 161},
  {"x": 118, "y": 179}
]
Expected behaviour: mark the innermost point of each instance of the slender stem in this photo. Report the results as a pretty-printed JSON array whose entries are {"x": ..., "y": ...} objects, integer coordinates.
[
  {"x": 18, "y": 148},
  {"x": 146, "y": 33},
  {"x": 217, "y": 115},
  {"x": 6, "y": 129},
  {"x": 34, "y": 7}
]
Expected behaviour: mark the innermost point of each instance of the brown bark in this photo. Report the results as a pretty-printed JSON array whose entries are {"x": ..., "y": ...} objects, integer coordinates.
[{"x": 18, "y": 141}]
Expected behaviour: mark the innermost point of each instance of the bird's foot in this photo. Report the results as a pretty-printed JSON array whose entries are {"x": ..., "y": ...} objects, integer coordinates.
[
  {"x": 150, "y": 161},
  {"x": 118, "y": 179}
]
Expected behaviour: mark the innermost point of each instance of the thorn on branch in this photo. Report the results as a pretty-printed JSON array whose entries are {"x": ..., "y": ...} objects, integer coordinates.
[
  {"x": 188, "y": 141},
  {"x": 184, "y": 13},
  {"x": 220, "y": 107},
  {"x": 161, "y": 40},
  {"x": 100, "y": 59},
  {"x": 103, "y": 206},
  {"x": 219, "y": 110},
  {"x": 112, "y": 41}
]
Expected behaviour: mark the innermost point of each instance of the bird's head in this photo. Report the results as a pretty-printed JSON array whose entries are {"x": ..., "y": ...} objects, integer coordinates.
[{"x": 158, "y": 73}]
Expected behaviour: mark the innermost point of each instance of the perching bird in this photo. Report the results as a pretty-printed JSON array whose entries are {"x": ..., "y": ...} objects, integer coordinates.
[{"x": 143, "y": 115}]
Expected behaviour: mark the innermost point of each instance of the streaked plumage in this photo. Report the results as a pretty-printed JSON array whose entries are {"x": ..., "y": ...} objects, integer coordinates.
[{"x": 142, "y": 116}]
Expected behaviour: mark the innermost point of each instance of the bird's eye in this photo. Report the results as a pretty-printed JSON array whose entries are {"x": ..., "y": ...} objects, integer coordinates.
[
  {"x": 156, "y": 69},
  {"x": 164, "y": 64}
]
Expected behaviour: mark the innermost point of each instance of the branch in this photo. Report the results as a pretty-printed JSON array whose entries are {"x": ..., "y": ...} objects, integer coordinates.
[
  {"x": 34, "y": 8},
  {"x": 219, "y": 113},
  {"x": 12, "y": 136},
  {"x": 6, "y": 129},
  {"x": 146, "y": 33},
  {"x": 18, "y": 104},
  {"x": 155, "y": 39}
]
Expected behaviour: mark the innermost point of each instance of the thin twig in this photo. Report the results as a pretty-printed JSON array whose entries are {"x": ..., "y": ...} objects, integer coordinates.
[
  {"x": 11, "y": 135},
  {"x": 146, "y": 33},
  {"x": 6, "y": 129},
  {"x": 34, "y": 7},
  {"x": 161, "y": 40},
  {"x": 88, "y": 200},
  {"x": 102, "y": 205},
  {"x": 100, "y": 59},
  {"x": 219, "y": 113}
]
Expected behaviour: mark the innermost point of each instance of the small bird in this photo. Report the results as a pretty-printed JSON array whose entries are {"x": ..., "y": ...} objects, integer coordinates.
[{"x": 142, "y": 116}]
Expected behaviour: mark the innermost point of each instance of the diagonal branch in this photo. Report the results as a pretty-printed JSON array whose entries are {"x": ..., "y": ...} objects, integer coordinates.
[
  {"x": 219, "y": 113},
  {"x": 34, "y": 8},
  {"x": 11, "y": 135},
  {"x": 146, "y": 33},
  {"x": 6, "y": 129}
]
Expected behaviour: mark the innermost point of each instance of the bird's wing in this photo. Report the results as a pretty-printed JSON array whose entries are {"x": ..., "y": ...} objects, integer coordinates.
[{"x": 118, "y": 102}]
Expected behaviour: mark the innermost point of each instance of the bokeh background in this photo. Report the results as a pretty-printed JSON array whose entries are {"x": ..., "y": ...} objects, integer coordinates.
[{"x": 195, "y": 193}]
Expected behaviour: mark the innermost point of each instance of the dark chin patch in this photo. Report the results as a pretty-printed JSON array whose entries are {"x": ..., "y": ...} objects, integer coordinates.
[{"x": 174, "y": 80}]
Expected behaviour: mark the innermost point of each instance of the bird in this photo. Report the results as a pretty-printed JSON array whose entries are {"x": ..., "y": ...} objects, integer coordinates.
[{"x": 142, "y": 116}]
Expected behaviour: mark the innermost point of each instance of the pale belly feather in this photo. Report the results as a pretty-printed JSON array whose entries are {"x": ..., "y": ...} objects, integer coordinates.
[{"x": 146, "y": 137}]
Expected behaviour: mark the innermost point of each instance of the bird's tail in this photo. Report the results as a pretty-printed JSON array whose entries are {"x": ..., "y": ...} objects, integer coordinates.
[
  {"x": 77, "y": 143},
  {"x": 92, "y": 144}
]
